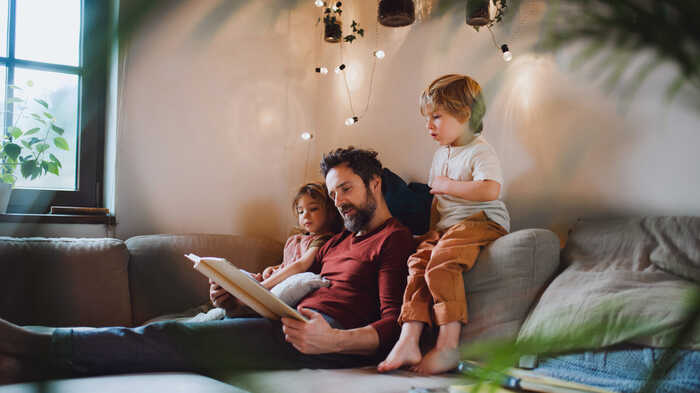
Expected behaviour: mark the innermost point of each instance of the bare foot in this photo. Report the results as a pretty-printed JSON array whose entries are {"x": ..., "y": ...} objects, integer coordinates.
[
  {"x": 406, "y": 351},
  {"x": 444, "y": 356},
  {"x": 437, "y": 361}
]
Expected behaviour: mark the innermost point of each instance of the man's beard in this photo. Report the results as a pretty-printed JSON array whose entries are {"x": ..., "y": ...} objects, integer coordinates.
[{"x": 363, "y": 215}]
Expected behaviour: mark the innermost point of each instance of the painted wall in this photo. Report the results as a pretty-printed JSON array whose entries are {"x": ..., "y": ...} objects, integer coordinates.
[{"x": 214, "y": 96}]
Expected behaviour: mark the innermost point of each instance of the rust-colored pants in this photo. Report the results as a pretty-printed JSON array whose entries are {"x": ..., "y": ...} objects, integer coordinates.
[{"x": 435, "y": 290}]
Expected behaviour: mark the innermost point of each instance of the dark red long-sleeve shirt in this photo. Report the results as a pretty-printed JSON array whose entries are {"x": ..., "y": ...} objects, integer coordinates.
[{"x": 368, "y": 277}]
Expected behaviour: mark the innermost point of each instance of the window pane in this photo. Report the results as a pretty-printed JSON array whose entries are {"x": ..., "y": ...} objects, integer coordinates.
[
  {"x": 48, "y": 31},
  {"x": 60, "y": 93},
  {"x": 3, "y": 27},
  {"x": 3, "y": 72}
]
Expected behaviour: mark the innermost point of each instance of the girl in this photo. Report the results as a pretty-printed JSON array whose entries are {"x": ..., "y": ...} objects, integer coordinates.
[{"x": 318, "y": 219}]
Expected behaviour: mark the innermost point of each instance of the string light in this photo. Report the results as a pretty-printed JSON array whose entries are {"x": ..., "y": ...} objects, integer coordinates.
[
  {"x": 351, "y": 120},
  {"x": 336, "y": 6},
  {"x": 319, "y": 3},
  {"x": 339, "y": 68},
  {"x": 306, "y": 136},
  {"x": 379, "y": 54},
  {"x": 322, "y": 70},
  {"x": 507, "y": 56}
]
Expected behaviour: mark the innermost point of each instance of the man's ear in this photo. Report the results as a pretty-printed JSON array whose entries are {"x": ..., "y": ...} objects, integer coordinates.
[{"x": 376, "y": 183}]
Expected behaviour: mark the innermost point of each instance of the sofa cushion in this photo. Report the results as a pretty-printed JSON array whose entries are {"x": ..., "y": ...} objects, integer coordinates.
[
  {"x": 619, "y": 286},
  {"x": 162, "y": 281},
  {"x": 505, "y": 280},
  {"x": 64, "y": 281}
]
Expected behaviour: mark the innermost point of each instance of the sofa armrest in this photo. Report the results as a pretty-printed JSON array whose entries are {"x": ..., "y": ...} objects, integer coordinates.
[{"x": 162, "y": 281}]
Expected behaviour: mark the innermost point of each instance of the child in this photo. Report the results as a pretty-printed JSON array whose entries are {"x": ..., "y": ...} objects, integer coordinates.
[
  {"x": 465, "y": 178},
  {"x": 318, "y": 219}
]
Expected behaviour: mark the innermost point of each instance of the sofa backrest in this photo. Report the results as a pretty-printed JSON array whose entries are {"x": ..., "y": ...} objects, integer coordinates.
[
  {"x": 64, "y": 282},
  {"x": 162, "y": 281}
]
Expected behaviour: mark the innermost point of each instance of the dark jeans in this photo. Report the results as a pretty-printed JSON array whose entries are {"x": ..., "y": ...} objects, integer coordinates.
[{"x": 214, "y": 348}]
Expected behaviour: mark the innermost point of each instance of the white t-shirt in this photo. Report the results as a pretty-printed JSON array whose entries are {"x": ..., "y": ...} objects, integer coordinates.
[{"x": 472, "y": 162}]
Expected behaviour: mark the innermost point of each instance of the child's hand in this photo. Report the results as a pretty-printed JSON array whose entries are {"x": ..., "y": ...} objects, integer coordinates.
[
  {"x": 439, "y": 185},
  {"x": 268, "y": 272}
]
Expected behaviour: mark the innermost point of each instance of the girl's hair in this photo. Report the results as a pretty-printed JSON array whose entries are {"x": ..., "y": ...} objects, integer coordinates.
[
  {"x": 460, "y": 96},
  {"x": 319, "y": 193}
]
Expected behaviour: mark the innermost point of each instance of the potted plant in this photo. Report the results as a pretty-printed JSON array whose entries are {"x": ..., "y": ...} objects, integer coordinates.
[{"x": 27, "y": 146}]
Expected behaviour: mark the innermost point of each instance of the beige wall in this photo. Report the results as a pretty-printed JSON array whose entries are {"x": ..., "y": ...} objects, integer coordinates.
[{"x": 214, "y": 96}]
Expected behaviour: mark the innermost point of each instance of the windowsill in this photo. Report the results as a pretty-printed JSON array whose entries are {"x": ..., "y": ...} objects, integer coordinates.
[{"x": 58, "y": 218}]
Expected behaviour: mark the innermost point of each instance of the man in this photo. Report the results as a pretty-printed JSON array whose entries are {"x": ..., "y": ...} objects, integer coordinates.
[{"x": 352, "y": 322}]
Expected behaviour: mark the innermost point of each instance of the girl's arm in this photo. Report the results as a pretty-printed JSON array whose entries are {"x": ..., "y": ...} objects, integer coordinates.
[
  {"x": 300, "y": 265},
  {"x": 477, "y": 191}
]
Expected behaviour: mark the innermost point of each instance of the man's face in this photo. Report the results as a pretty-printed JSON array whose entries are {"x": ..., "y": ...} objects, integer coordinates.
[{"x": 354, "y": 201}]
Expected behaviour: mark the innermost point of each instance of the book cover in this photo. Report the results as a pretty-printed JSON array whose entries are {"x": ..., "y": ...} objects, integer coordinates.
[{"x": 244, "y": 288}]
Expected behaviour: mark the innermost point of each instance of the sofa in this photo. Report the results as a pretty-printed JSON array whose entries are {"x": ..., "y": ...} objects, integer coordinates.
[
  {"x": 55, "y": 282},
  {"x": 633, "y": 273}
]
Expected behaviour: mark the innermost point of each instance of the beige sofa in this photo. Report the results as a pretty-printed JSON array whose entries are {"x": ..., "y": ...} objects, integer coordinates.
[{"x": 109, "y": 282}]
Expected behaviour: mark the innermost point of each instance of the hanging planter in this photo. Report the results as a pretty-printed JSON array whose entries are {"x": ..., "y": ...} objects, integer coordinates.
[
  {"x": 478, "y": 13},
  {"x": 396, "y": 13},
  {"x": 333, "y": 30}
]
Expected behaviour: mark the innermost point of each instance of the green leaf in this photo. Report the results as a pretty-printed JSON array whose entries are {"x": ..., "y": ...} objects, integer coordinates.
[
  {"x": 57, "y": 129},
  {"x": 42, "y": 147},
  {"x": 48, "y": 115},
  {"x": 38, "y": 118},
  {"x": 34, "y": 140},
  {"x": 52, "y": 168},
  {"x": 32, "y": 131},
  {"x": 42, "y": 102},
  {"x": 45, "y": 166},
  {"x": 54, "y": 159},
  {"x": 26, "y": 144},
  {"x": 61, "y": 143},
  {"x": 28, "y": 168},
  {"x": 14, "y": 131},
  {"x": 7, "y": 178},
  {"x": 12, "y": 150},
  {"x": 12, "y": 100}
]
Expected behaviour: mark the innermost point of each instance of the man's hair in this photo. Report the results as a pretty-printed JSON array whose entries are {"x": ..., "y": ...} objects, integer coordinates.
[
  {"x": 363, "y": 162},
  {"x": 459, "y": 95}
]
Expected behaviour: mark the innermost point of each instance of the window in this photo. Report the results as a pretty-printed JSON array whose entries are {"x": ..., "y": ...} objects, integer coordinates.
[{"x": 53, "y": 77}]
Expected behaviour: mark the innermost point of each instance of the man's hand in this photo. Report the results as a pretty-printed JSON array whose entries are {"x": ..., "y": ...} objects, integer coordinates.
[
  {"x": 220, "y": 297},
  {"x": 439, "y": 185},
  {"x": 313, "y": 337}
]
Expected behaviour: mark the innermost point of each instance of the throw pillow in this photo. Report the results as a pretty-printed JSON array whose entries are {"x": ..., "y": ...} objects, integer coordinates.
[
  {"x": 505, "y": 281},
  {"x": 617, "y": 288}
]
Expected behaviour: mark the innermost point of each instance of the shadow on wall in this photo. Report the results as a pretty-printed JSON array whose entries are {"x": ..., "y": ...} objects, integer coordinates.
[
  {"x": 559, "y": 145},
  {"x": 258, "y": 217}
]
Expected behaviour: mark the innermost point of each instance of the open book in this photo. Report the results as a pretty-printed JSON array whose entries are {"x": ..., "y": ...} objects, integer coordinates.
[{"x": 244, "y": 288}]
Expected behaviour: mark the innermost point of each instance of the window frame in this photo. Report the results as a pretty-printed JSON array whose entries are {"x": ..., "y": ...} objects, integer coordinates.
[{"x": 92, "y": 86}]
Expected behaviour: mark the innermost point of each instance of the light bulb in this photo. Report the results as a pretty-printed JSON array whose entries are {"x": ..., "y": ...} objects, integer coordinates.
[
  {"x": 339, "y": 68},
  {"x": 306, "y": 136},
  {"x": 379, "y": 54},
  {"x": 351, "y": 120},
  {"x": 507, "y": 56},
  {"x": 319, "y": 3},
  {"x": 322, "y": 70}
]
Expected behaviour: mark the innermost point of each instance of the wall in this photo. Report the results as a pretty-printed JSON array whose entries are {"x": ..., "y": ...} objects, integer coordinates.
[{"x": 214, "y": 96}]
